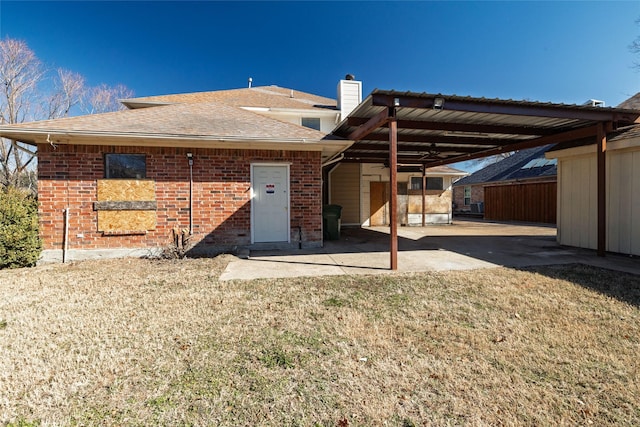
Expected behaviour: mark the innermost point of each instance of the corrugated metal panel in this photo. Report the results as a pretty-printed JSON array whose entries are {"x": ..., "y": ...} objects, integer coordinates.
[{"x": 519, "y": 121}]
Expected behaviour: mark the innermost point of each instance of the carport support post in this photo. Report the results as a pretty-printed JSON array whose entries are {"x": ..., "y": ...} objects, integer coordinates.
[
  {"x": 393, "y": 183},
  {"x": 424, "y": 193},
  {"x": 602, "y": 189}
]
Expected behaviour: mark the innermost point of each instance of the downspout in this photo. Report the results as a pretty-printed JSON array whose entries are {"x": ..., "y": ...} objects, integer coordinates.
[
  {"x": 190, "y": 158},
  {"x": 332, "y": 161},
  {"x": 325, "y": 176}
]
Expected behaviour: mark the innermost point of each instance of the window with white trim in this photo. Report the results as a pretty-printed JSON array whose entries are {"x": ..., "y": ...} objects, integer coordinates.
[{"x": 467, "y": 195}]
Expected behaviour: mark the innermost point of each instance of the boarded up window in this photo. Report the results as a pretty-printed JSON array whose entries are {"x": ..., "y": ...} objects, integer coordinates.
[{"x": 126, "y": 206}]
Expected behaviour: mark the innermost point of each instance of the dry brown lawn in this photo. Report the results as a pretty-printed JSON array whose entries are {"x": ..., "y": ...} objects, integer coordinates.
[{"x": 144, "y": 342}]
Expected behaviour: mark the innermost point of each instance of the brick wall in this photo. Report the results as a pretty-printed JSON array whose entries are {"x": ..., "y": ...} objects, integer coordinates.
[
  {"x": 477, "y": 195},
  {"x": 67, "y": 178}
]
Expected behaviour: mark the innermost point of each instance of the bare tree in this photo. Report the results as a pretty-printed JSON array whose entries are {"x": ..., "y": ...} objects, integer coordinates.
[
  {"x": 103, "y": 98},
  {"x": 68, "y": 90},
  {"x": 20, "y": 73},
  {"x": 634, "y": 47},
  {"x": 29, "y": 92}
]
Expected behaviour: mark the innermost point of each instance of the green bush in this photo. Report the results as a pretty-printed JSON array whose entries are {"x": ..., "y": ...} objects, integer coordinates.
[{"x": 20, "y": 245}]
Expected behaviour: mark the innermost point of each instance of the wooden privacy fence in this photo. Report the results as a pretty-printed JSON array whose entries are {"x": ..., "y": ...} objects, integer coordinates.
[{"x": 530, "y": 202}]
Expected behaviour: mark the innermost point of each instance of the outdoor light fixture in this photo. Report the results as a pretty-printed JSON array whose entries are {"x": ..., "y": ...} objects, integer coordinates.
[
  {"x": 190, "y": 158},
  {"x": 438, "y": 103},
  {"x": 396, "y": 102}
]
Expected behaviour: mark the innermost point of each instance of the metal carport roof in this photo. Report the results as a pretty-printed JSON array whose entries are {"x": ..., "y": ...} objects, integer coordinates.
[
  {"x": 436, "y": 129},
  {"x": 408, "y": 128}
]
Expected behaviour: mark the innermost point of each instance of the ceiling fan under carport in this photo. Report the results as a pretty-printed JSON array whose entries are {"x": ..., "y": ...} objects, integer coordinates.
[{"x": 431, "y": 153}]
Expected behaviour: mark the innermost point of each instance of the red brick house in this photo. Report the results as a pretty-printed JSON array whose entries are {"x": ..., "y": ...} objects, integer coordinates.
[{"x": 229, "y": 168}]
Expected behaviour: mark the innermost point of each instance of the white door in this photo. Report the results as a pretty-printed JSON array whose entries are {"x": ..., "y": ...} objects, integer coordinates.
[{"x": 270, "y": 203}]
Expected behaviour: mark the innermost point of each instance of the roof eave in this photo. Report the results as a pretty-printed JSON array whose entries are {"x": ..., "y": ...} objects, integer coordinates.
[{"x": 38, "y": 136}]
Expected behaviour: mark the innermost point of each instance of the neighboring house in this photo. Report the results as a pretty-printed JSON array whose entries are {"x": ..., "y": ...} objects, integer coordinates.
[
  {"x": 577, "y": 190},
  {"x": 228, "y": 168},
  {"x": 521, "y": 187},
  {"x": 363, "y": 191}
]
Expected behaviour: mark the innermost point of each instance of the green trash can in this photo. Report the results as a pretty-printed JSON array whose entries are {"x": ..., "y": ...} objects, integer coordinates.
[{"x": 331, "y": 221}]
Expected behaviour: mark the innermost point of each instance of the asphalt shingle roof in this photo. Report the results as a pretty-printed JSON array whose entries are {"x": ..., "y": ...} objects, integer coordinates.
[
  {"x": 204, "y": 119},
  {"x": 632, "y": 103},
  {"x": 627, "y": 133},
  {"x": 262, "y": 96},
  {"x": 511, "y": 168}
]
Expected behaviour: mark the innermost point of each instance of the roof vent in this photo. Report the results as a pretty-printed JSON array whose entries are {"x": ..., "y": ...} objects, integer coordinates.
[
  {"x": 349, "y": 77},
  {"x": 250, "y": 81},
  {"x": 594, "y": 103}
]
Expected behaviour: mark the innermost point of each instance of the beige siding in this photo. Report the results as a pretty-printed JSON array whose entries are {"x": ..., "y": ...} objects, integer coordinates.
[
  {"x": 577, "y": 208},
  {"x": 344, "y": 181},
  {"x": 623, "y": 202},
  {"x": 577, "y": 203}
]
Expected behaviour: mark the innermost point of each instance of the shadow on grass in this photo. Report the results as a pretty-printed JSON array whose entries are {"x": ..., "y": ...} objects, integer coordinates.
[{"x": 624, "y": 287}]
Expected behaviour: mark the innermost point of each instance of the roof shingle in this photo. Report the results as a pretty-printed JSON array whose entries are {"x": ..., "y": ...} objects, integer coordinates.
[
  {"x": 262, "y": 96},
  {"x": 632, "y": 103},
  {"x": 205, "y": 119}
]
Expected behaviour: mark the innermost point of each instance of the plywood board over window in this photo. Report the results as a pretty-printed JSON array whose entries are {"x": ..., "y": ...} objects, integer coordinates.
[{"x": 126, "y": 206}]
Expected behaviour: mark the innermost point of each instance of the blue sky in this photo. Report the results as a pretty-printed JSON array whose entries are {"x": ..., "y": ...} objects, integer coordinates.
[
  {"x": 552, "y": 51},
  {"x": 546, "y": 51}
]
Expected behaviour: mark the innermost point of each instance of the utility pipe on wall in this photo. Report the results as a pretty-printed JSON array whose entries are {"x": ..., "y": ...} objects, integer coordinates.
[
  {"x": 65, "y": 244},
  {"x": 190, "y": 158}
]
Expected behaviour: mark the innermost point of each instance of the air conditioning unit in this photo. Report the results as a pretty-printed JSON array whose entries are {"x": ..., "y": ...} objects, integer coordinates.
[{"x": 477, "y": 208}]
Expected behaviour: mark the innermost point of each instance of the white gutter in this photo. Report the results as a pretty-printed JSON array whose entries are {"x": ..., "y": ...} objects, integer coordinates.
[
  {"x": 332, "y": 161},
  {"x": 58, "y": 134}
]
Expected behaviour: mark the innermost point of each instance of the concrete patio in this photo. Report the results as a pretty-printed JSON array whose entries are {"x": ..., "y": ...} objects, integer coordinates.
[{"x": 464, "y": 245}]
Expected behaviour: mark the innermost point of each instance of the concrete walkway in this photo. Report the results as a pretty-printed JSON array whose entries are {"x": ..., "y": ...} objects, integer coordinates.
[{"x": 465, "y": 245}]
